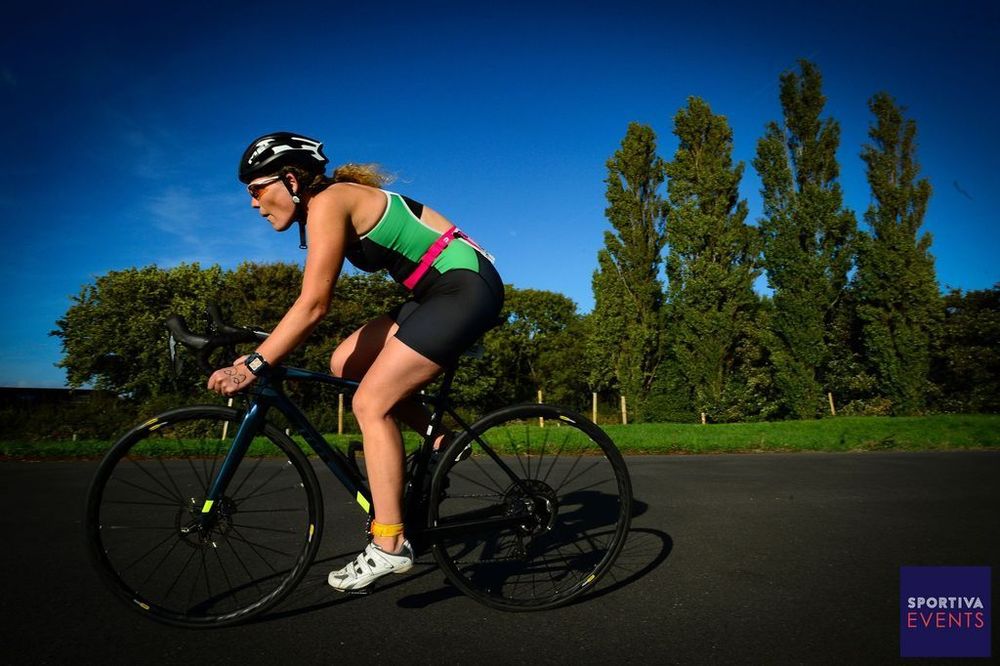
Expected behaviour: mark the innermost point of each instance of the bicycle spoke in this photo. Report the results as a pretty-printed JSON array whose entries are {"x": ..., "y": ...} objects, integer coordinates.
[
  {"x": 163, "y": 559},
  {"x": 180, "y": 574},
  {"x": 194, "y": 581},
  {"x": 202, "y": 483},
  {"x": 170, "y": 478},
  {"x": 299, "y": 510},
  {"x": 236, "y": 491},
  {"x": 243, "y": 564},
  {"x": 266, "y": 529},
  {"x": 172, "y": 505},
  {"x": 177, "y": 500},
  {"x": 225, "y": 574},
  {"x": 149, "y": 552},
  {"x": 277, "y": 491},
  {"x": 254, "y": 546}
]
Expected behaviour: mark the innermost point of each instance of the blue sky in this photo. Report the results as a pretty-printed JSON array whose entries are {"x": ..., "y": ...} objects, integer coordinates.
[{"x": 124, "y": 123}]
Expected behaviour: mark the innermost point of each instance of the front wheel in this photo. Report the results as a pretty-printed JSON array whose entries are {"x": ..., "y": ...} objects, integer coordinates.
[
  {"x": 529, "y": 516},
  {"x": 152, "y": 545}
]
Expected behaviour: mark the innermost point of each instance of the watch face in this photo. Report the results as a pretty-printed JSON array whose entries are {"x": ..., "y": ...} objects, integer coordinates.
[{"x": 255, "y": 363}]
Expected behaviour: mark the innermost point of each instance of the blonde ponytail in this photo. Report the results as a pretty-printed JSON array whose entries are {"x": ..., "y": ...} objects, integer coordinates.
[{"x": 363, "y": 174}]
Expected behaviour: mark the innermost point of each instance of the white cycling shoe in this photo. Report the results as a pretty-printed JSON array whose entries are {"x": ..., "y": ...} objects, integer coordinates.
[{"x": 369, "y": 566}]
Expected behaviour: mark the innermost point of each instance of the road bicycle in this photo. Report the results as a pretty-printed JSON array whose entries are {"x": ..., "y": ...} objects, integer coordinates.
[{"x": 206, "y": 516}]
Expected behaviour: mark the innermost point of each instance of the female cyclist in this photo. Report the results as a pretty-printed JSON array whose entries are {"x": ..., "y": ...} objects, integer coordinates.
[{"x": 456, "y": 297}]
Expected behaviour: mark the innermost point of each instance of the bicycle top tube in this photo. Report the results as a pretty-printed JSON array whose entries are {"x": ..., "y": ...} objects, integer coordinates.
[{"x": 281, "y": 372}]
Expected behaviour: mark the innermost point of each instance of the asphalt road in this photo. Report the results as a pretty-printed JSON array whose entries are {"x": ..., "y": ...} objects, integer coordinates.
[{"x": 732, "y": 559}]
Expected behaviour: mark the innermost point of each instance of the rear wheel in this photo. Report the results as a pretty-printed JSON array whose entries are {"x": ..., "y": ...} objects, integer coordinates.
[
  {"x": 561, "y": 493},
  {"x": 147, "y": 536}
]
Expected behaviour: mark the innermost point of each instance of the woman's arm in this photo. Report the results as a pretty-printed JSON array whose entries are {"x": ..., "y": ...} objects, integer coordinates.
[
  {"x": 328, "y": 234},
  {"x": 329, "y": 222}
]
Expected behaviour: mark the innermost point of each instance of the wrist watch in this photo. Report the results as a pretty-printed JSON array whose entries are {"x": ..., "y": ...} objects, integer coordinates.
[{"x": 256, "y": 364}]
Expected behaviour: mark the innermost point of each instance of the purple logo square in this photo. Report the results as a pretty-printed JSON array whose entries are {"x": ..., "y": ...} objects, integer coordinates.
[{"x": 944, "y": 611}]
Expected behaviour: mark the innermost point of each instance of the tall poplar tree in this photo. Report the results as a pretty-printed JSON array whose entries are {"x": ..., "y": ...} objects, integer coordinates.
[
  {"x": 628, "y": 294},
  {"x": 899, "y": 303},
  {"x": 808, "y": 240},
  {"x": 711, "y": 262}
]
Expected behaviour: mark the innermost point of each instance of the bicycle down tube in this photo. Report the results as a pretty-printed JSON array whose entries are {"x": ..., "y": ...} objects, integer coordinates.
[{"x": 267, "y": 396}]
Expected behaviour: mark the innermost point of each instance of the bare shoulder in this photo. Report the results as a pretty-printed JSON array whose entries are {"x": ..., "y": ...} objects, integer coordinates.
[
  {"x": 360, "y": 205},
  {"x": 350, "y": 196}
]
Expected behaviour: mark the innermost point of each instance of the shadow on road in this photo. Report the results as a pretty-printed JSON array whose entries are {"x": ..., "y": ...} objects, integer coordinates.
[{"x": 645, "y": 549}]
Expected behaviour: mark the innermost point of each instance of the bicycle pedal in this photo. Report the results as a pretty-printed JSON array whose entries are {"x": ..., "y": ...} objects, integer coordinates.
[{"x": 464, "y": 453}]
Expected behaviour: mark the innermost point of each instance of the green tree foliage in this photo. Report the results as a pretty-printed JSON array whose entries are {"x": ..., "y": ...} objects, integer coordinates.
[
  {"x": 628, "y": 294},
  {"x": 113, "y": 334},
  {"x": 808, "y": 242},
  {"x": 966, "y": 365},
  {"x": 711, "y": 262},
  {"x": 899, "y": 305},
  {"x": 524, "y": 353}
]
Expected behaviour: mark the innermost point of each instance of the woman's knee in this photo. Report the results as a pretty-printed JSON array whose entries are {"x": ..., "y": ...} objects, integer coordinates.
[{"x": 368, "y": 406}]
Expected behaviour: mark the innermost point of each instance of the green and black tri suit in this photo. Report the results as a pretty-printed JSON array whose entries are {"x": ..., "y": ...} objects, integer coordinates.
[{"x": 455, "y": 302}]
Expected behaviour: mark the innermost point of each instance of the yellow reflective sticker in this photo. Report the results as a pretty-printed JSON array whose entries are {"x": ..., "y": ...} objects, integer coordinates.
[
  {"x": 150, "y": 422},
  {"x": 141, "y": 605},
  {"x": 566, "y": 418},
  {"x": 207, "y": 507},
  {"x": 312, "y": 528},
  {"x": 589, "y": 580},
  {"x": 158, "y": 425},
  {"x": 363, "y": 502}
]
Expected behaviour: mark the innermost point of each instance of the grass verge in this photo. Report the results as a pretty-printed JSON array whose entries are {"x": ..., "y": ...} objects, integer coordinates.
[{"x": 940, "y": 432}]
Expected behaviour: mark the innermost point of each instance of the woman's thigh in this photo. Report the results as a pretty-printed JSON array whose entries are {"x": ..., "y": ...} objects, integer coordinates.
[
  {"x": 397, "y": 372},
  {"x": 352, "y": 357}
]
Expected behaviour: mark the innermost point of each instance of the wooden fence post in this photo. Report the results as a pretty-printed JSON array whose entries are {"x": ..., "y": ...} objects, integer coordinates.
[
  {"x": 833, "y": 412},
  {"x": 340, "y": 413},
  {"x": 624, "y": 412},
  {"x": 225, "y": 425},
  {"x": 541, "y": 421},
  {"x": 593, "y": 403},
  {"x": 704, "y": 421}
]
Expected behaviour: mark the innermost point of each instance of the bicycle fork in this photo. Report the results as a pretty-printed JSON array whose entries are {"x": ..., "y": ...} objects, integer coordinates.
[{"x": 206, "y": 519}]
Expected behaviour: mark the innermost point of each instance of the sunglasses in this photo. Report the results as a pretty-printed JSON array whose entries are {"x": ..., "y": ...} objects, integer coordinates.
[{"x": 256, "y": 188}]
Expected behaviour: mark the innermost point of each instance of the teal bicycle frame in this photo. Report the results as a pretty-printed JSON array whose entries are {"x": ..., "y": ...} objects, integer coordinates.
[{"x": 267, "y": 395}]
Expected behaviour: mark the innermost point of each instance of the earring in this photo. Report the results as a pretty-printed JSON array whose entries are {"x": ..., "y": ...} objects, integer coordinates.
[{"x": 295, "y": 199}]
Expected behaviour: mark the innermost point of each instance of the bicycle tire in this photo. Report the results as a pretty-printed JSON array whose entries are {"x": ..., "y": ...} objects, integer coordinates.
[
  {"x": 573, "y": 498},
  {"x": 150, "y": 487}
]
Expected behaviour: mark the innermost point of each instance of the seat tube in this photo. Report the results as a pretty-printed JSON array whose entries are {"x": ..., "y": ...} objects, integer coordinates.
[
  {"x": 439, "y": 404},
  {"x": 249, "y": 427}
]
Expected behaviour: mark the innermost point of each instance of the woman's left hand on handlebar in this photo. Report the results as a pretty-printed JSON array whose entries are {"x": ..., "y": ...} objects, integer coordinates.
[{"x": 230, "y": 381}]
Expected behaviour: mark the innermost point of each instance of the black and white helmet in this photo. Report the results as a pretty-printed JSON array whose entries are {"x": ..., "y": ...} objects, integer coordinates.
[{"x": 267, "y": 154}]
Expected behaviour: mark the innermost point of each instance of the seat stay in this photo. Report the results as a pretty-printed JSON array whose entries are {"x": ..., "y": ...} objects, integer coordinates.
[{"x": 488, "y": 450}]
